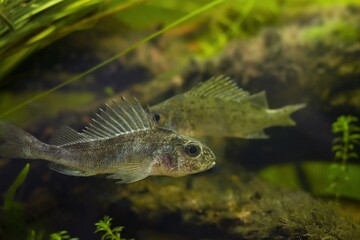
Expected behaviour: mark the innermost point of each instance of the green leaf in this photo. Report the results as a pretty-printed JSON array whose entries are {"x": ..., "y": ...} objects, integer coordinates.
[
  {"x": 10, "y": 193},
  {"x": 336, "y": 148},
  {"x": 354, "y": 136},
  {"x": 150, "y": 15},
  {"x": 62, "y": 235},
  {"x": 353, "y": 155},
  {"x": 337, "y": 140},
  {"x": 104, "y": 225},
  {"x": 13, "y": 216}
]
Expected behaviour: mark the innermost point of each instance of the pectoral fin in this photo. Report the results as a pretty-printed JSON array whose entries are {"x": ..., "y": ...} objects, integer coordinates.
[{"x": 131, "y": 172}]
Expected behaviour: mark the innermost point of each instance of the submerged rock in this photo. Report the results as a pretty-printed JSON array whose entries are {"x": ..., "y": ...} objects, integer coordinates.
[{"x": 231, "y": 206}]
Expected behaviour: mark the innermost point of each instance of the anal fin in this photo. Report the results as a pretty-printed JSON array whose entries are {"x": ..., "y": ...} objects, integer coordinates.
[
  {"x": 66, "y": 170},
  {"x": 257, "y": 135}
]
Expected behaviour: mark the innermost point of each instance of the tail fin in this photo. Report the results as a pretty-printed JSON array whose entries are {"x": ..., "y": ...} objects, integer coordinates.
[
  {"x": 16, "y": 143},
  {"x": 285, "y": 112}
]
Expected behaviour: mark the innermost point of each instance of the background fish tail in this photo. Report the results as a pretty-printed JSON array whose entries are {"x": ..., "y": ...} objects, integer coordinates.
[
  {"x": 285, "y": 119},
  {"x": 16, "y": 143}
]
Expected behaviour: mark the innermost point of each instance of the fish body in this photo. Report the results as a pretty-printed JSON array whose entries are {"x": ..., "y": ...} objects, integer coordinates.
[
  {"x": 218, "y": 107},
  {"x": 122, "y": 141}
]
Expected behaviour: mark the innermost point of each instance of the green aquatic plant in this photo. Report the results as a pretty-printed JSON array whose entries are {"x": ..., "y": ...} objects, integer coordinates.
[
  {"x": 62, "y": 235},
  {"x": 343, "y": 174},
  {"x": 12, "y": 218},
  {"x": 35, "y": 235},
  {"x": 344, "y": 148},
  {"x": 103, "y": 226},
  {"x": 223, "y": 21},
  {"x": 172, "y": 25},
  {"x": 13, "y": 226},
  {"x": 26, "y": 26},
  {"x": 344, "y": 145},
  {"x": 109, "y": 233}
]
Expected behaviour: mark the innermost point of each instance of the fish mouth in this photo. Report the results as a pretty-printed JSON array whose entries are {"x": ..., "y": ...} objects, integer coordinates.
[
  {"x": 209, "y": 155},
  {"x": 212, "y": 164}
]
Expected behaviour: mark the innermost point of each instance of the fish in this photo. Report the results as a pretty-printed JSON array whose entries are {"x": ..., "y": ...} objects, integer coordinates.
[
  {"x": 122, "y": 141},
  {"x": 218, "y": 107}
]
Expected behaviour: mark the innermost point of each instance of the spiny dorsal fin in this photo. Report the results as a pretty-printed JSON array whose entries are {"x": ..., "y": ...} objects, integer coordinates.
[
  {"x": 219, "y": 87},
  {"x": 66, "y": 135},
  {"x": 259, "y": 99},
  {"x": 118, "y": 119}
]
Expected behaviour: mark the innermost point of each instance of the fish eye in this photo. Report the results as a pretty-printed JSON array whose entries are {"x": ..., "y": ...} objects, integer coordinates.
[
  {"x": 156, "y": 117},
  {"x": 192, "y": 150}
]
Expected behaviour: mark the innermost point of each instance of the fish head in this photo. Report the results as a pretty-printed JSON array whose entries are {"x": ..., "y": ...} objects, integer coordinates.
[
  {"x": 163, "y": 118},
  {"x": 170, "y": 113},
  {"x": 183, "y": 156}
]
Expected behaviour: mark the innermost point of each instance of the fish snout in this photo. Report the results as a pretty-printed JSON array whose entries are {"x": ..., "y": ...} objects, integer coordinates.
[{"x": 209, "y": 157}]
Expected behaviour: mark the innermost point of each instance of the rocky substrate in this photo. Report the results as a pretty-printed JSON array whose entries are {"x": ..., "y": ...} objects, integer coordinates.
[{"x": 229, "y": 206}]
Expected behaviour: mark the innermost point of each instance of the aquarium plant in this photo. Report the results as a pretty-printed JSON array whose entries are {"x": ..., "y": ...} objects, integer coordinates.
[
  {"x": 344, "y": 148},
  {"x": 12, "y": 224},
  {"x": 108, "y": 233},
  {"x": 62, "y": 235},
  {"x": 103, "y": 226}
]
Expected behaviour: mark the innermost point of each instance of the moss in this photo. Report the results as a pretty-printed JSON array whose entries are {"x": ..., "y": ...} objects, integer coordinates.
[
  {"x": 332, "y": 33},
  {"x": 233, "y": 205}
]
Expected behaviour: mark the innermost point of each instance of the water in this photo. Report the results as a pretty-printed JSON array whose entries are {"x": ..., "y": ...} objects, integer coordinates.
[{"x": 307, "y": 58}]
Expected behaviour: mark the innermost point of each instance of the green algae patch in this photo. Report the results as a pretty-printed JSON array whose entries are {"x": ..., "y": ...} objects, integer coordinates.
[
  {"x": 317, "y": 176},
  {"x": 43, "y": 108},
  {"x": 332, "y": 32}
]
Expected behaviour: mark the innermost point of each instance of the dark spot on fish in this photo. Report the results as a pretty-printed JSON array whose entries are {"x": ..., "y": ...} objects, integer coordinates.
[
  {"x": 192, "y": 150},
  {"x": 156, "y": 117}
]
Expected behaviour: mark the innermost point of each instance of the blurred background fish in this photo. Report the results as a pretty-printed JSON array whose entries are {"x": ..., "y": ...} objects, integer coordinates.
[{"x": 218, "y": 107}]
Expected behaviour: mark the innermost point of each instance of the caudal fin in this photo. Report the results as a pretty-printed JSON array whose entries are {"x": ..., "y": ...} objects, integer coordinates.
[
  {"x": 285, "y": 112},
  {"x": 16, "y": 143}
]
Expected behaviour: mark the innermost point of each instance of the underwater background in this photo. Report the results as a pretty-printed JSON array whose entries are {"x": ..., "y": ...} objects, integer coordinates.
[{"x": 61, "y": 60}]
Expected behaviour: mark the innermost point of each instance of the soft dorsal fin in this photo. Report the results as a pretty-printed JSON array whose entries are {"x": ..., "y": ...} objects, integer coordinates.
[
  {"x": 219, "y": 87},
  {"x": 118, "y": 119},
  {"x": 259, "y": 99},
  {"x": 66, "y": 135}
]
